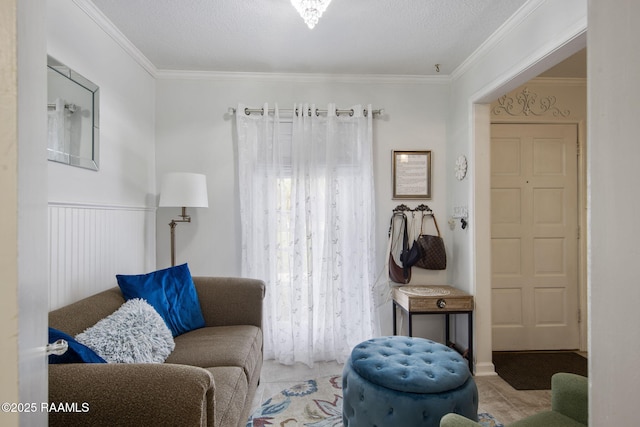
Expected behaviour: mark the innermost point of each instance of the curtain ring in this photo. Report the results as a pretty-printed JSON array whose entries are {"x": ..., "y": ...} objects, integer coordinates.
[
  {"x": 262, "y": 110},
  {"x": 246, "y": 111},
  {"x": 309, "y": 112},
  {"x": 317, "y": 113},
  {"x": 351, "y": 113}
]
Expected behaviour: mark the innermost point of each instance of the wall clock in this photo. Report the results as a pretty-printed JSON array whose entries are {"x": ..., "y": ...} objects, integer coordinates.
[{"x": 461, "y": 167}]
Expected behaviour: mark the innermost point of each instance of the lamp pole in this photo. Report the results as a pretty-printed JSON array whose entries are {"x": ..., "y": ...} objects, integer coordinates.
[{"x": 183, "y": 218}]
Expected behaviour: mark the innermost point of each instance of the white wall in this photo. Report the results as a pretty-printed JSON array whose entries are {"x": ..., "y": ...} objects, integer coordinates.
[
  {"x": 101, "y": 208},
  {"x": 127, "y": 107},
  {"x": 613, "y": 65},
  {"x": 194, "y": 133},
  {"x": 539, "y": 36}
]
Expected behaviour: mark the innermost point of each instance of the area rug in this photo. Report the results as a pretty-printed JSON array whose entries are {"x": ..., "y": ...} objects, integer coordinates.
[
  {"x": 533, "y": 370},
  {"x": 314, "y": 403}
]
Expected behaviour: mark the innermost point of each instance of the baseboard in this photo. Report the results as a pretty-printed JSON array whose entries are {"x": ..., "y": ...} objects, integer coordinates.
[{"x": 485, "y": 370}]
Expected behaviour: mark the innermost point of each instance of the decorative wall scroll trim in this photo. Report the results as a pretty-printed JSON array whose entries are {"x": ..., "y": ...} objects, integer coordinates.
[{"x": 528, "y": 105}]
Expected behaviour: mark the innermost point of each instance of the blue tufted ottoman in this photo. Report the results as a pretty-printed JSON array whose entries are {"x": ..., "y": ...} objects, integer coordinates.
[{"x": 403, "y": 381}]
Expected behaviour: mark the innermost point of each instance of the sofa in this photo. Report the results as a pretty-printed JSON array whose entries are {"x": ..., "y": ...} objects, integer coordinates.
[
  {"x": 209, "y": 379},
  {"x": 569, "y": 406}
]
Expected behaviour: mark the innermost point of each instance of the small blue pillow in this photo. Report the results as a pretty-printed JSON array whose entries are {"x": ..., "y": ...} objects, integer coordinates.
[
  {"x": 171, "y": 292},
  {"x": 76, "y": 353}
]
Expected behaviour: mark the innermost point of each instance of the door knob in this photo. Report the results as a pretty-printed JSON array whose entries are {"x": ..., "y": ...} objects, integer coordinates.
[
  {"x": 441, "y": 303},
  {"x": 58, "y": 348}
]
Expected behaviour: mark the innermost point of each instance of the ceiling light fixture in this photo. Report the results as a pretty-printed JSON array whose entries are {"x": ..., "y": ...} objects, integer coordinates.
[{"x": 310, "y": 10}]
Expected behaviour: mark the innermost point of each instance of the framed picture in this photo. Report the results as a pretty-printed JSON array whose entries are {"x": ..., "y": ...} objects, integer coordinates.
[{"x": 411, "y": 174}]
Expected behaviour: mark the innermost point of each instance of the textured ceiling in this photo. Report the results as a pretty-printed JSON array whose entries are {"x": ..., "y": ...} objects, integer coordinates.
[{"x": 399, "y": 37}]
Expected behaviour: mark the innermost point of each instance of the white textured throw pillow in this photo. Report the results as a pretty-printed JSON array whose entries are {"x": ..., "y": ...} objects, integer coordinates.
[{"x": 135, "y": 333}]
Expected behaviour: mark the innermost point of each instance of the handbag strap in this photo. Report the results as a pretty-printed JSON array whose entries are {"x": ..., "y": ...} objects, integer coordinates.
[
  {"x": 405, "y": 234},
  {"x": 405, "y": 237},
  {"x": 406, "y": 271},
  {"x": 436, "y": 224},
  {"x": 432, "y": 215},
  {"x": 405, "y": 247}
]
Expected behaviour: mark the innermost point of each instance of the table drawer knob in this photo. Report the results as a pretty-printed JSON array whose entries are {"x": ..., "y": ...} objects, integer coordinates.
[{"x": 441, "y": 303}]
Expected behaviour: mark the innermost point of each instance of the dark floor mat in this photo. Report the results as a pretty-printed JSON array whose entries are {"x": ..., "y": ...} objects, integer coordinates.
[{"x": 533, "y": 370}]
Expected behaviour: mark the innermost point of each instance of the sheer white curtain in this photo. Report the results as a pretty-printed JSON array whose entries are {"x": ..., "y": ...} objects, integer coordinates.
[{"x": 307, "y": 218}]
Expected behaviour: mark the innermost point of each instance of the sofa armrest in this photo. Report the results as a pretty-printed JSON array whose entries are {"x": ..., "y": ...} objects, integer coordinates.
[
  {"x": 455, "y": 420},
  {"x": 229, "y": 301},
  {"x": 570, "y": 396},
  {"x": 130, "y": 394}
]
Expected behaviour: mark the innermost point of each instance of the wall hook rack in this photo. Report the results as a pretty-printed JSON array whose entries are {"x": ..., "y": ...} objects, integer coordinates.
[
  {"x": 462, "y": 213},
  {"x": 420, "y": 208}
]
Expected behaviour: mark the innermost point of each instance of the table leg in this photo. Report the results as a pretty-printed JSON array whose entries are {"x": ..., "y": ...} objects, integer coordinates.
[
  {"x": 394, "y": 308},
  {"x": 470, "y": 331},
  {"x": 447, "y": 325}
]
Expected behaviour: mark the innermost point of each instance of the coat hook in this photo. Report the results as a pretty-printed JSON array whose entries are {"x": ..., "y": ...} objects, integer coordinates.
[
  {"x": 437, "y": 68},
  {"x": 463, "y": 222}
]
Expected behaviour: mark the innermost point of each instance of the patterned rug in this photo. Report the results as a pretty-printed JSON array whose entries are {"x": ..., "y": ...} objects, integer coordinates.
[{"x": 314, "y": 403}]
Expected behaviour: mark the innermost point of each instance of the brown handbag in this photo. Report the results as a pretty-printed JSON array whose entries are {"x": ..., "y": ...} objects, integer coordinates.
[
  {"x": 433, "y": 253},
  {"x": 399, "y": 274}
]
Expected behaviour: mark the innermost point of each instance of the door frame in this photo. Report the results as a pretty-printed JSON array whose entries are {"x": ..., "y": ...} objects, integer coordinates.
[{"x": 581, "y": 128}]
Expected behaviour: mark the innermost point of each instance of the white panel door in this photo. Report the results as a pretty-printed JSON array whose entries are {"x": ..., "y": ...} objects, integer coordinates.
[{"x": 534, "y": 236}]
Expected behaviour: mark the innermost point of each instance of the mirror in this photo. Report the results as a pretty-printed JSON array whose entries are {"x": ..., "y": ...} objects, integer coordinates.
[{"x": 73, "y": 111}]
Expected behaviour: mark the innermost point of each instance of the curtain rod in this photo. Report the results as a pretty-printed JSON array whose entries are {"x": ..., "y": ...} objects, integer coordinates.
[{"x": 350, "y": 111}]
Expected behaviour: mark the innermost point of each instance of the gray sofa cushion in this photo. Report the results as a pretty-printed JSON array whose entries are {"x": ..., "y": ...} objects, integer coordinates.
[
  {"x": 230, "y": 394},
  {"x": 78, "y": 316},
  {"x": 238, "y": 345}
]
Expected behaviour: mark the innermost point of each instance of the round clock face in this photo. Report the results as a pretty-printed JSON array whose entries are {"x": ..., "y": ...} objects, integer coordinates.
[{"x": 461, "y": 167}]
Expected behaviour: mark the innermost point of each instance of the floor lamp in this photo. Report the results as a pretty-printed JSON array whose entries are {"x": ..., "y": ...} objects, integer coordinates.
[{"x": 183, "y": 190}]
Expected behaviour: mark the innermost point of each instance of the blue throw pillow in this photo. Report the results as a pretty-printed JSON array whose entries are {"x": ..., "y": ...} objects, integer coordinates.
[
  {"x": 76, "y": 352},
  {"x": 171, "y": 292}
]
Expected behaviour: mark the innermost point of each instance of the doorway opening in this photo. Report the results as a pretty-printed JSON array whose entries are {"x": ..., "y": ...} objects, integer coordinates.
[{"x": 480, "y": 111}]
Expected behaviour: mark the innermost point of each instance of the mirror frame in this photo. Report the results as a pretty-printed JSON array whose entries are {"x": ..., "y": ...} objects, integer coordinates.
[{"x": 83, "y": 162}]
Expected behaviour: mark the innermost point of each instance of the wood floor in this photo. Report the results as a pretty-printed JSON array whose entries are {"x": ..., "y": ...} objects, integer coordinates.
[{"x": 497, "y": 397}]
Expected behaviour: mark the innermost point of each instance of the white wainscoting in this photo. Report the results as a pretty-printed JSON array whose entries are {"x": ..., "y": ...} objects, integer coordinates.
[{"x": 90, "y": 244}]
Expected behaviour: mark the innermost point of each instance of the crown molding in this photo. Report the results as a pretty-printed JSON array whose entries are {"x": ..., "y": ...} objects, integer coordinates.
[
  {"x": 503, "y": 31},
  {"x": 302, "y": 77},
  {"x": 88, "y": 7}
]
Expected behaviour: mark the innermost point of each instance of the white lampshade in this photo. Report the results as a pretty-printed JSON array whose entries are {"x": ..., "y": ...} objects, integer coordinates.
[{"x": 184, "y": 190}]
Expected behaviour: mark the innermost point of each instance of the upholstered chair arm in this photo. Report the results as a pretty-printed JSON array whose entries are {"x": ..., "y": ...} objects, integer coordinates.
[
  {"x": 229, "y": 301},
  {"x": 570, "y": 396},
  {"x": 455, "y": 420},
  {"x": 130, "y": 394}
]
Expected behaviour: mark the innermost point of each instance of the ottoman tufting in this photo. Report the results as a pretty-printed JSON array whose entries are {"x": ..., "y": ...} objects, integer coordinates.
[{"x": 404, "y": 381}]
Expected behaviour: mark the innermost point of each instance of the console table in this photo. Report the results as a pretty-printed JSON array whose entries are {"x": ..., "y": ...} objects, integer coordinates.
[{"x": 445, "y": 300}]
